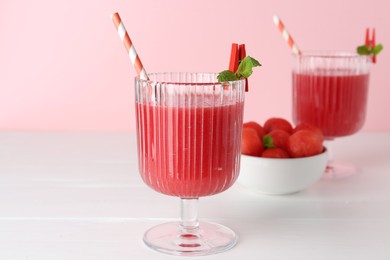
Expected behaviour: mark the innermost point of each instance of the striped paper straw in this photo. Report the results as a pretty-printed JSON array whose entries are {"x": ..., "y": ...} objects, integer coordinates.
[
  {"x": 129, "y": 46},
  {"x": 287, "y": 36}
]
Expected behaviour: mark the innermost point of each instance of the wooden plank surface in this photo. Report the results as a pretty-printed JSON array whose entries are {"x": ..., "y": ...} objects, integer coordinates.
[{"x": 79, "y": 196}]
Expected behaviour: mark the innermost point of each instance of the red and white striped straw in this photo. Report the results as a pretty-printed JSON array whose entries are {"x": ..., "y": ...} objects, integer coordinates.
[
  {"x": 129, "y": 46},
  {"x": 287, "y": 36}
]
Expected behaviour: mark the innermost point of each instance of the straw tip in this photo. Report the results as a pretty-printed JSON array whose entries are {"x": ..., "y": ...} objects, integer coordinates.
[
  {"x": 113, "y": 14},
  {"x": 276, "y": 19}
]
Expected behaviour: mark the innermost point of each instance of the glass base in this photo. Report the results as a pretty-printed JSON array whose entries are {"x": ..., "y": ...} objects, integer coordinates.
[
  {"x": 207, "y": 239},
  {"x": 340, "y": 170}
]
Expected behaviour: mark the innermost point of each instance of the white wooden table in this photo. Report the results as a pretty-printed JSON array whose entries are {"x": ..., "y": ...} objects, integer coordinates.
[{"x": 79, "y": 196}]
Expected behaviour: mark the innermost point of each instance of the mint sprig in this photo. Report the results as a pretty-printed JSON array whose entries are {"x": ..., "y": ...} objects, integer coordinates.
[
  {"x": 368, "y": 50},
  {"x": 227, "y": 75},
  {"x": 245, "y": 69},
  {"x": 377, "y": 49}
]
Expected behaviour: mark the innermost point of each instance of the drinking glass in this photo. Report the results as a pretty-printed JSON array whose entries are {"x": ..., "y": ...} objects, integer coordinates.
[
  {"x": 330, "y": 91},
  {"x": 189, "y": 145}
]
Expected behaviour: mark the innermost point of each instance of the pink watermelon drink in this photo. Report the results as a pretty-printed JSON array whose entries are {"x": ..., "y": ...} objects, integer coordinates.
[
  {"x": 189, "y": 146},
  {"x": 189, "y": 152},
  {"x": 335, "y": 103}
]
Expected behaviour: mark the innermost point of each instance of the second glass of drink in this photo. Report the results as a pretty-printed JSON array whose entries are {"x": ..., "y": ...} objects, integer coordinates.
[{"x": 330, "y": 91}]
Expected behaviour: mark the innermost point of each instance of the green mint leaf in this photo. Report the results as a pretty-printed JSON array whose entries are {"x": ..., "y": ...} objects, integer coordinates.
[
  {"x": 268, "y": 142},
  {"x": 377, "y": 49},
  {"x": 245, "y": 69},
  {"x": 363, "y": 50},
  {"x": 226, "y": 75}
]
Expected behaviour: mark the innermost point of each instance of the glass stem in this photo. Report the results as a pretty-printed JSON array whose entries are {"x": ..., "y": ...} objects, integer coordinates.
[
  {"x": 189, "y": 216},
  {"x": 329, "y": 147},
  {"x": 329, "y": 165}
]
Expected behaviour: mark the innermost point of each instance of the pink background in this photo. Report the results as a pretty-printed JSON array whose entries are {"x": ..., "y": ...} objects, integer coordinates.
[{"x": 63, "y": 67}]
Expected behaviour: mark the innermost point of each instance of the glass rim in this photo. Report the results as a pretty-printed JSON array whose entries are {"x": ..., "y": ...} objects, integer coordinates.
[
  {"x": 211, "y": 83},
  {"x": 333, "y": 54}
]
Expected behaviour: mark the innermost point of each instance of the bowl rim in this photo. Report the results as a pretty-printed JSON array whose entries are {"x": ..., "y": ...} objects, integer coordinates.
[{"x": 323, "y": 153}]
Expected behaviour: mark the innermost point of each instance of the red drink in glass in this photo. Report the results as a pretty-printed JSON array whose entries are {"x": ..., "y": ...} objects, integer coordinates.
[
  {"x": 190, "y": 151},
  {"x": 334, "y": 103}
]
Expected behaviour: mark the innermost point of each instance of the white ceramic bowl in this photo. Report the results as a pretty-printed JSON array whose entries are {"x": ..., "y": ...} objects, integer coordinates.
[{"x": 281, "y": 176}]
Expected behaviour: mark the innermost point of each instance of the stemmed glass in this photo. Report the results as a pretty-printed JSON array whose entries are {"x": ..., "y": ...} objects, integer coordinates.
[
  {"x": 189, "y": 144},
  {"x": 330, "y": 91}
]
